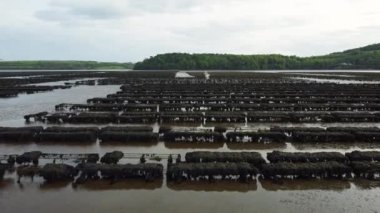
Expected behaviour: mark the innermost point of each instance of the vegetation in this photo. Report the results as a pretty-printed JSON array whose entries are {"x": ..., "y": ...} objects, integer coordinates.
[
  {"x": 361, "y": 58},
  {"x": 62, "y": 65},
  {"x": 367, "y": 57}
]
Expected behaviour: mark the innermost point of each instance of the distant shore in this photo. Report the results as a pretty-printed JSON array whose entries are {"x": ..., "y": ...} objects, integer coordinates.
[{"x": 63, "y": 65}]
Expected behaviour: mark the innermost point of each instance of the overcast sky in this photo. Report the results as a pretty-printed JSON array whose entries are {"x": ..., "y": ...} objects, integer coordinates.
[{"x": 131, "y": 30}]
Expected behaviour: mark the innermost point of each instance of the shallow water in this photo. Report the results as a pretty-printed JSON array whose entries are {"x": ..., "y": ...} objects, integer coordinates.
[
  {"x": 292, "y": 71},
  {"x": 13, "y": 109},
  {"x": 324, "y": 75},
  {"x": 134, "y": 196},
  {"x": 337, "y": 81},
  {"x": 139, "y": 196}
]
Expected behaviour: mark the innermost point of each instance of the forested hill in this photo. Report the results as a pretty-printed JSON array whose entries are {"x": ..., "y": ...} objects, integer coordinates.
[
  {"x": 367, "y": 57},
  {"x": 62, "y": 65}
]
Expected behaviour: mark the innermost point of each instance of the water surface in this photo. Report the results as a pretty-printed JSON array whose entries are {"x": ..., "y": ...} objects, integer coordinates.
[{"x": 159, "y": 196}]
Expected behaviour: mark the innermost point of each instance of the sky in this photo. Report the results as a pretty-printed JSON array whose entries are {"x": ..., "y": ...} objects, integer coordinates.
[{"x": 131, "y": 30}]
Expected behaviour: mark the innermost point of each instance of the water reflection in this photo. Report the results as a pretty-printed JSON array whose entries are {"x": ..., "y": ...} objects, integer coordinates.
[
  {"x": 312, "y": 184},
  {"x": 16, "y": 143},
  {"x": 331, "y": 145},
  {"x": 183, "y": 125},
  {"x": 366, "y": 184},
  {"x": 201, "y": 185},
  {"x": 255, "y": 146},
  {"x": 98, "y": 185},
  {"x": 54, "y": 185},
  {"x": 337, "y": 81},
  {"x": 66, "y": 143},
  {"x": 215, "y": 186},
  {"x": 6, "y": 183},
  {"x": 187, "y": 145},
  {"x": 130, "y": 144},
  {"x": 16, "y": 108}
]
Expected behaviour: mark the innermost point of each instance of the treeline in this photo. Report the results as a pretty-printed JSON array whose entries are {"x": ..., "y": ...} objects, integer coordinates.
[
  {"x": 62, "y": 65},
  {"x": 361, "y": 58}
]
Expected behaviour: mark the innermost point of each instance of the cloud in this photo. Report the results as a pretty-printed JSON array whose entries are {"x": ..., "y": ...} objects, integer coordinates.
[
  {"x": 130, "y": 30},
  {"x": 154, "y": 6},
  {"x": 67, "y": 11}
]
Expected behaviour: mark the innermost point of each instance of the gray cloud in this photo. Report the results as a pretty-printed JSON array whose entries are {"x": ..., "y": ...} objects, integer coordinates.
[
  {"x": 162, "y": 6},
  {"x": 130, "y": 30},
  {"x": 65, "y": 11}
]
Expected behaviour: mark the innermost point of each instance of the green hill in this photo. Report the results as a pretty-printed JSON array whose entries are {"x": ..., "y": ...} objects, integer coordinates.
[
  {"x": 62, "y": 65},
  {"x": 367, "y": 57}
]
